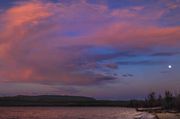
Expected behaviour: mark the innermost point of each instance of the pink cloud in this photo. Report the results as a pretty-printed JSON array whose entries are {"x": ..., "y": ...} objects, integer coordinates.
[
  {"x": 36, "y": 43},
  {"x": 138, "y": 36}
]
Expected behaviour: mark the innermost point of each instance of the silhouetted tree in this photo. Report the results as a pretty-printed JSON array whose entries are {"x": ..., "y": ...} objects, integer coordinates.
[
  {"x": 160, "y": 100},
  {"x": 177, "y": 102},
  {"x": 146, "y": 103},
  {"x": 152, "y": 99},
  {"x": 168, "y": 100}
]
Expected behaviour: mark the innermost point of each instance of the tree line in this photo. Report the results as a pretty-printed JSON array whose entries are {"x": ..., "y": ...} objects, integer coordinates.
[{"x": 166, "y": 101}]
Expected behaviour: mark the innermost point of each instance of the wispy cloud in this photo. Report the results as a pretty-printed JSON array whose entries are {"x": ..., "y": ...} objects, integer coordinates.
[
  {"x": 144, "y": 62},
  {"x": 166, "y": 54}
]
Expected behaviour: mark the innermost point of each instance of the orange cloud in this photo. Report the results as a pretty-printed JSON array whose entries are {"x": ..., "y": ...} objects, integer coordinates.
[{"x": 28, "y": 13}]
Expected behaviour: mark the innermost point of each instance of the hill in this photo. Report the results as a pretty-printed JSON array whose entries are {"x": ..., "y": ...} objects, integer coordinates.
[{"x": 43, "y": 100}]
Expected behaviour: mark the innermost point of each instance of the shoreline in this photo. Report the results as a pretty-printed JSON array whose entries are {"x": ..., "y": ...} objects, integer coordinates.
[
  {"x": 168, "y": 115},
  {"x": 159, "y": 113},
  {"x": 145, "y": 115},
  {"x": 163, "y": 115}
]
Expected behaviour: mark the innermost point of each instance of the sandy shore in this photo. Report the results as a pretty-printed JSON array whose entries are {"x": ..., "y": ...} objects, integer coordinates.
[
  {"x": 144, "y": 115},
  {"x": 157, "y": 113},
  {"x": 157, "y": 116},
  {"x": 168, "y": 115}
]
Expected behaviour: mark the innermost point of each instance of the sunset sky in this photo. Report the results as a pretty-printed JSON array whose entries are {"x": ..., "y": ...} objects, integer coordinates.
[{"x": 107, "y": 49}]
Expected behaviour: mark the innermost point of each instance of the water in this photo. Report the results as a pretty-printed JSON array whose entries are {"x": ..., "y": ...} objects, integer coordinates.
[{"x": 66, "y": 113}]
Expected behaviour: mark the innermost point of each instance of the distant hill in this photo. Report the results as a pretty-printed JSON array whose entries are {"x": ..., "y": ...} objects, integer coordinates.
[
  {"x": 58, "y": 100},
  {"x": 43, "y": 100},
  {"x": 48, "y": 98}
]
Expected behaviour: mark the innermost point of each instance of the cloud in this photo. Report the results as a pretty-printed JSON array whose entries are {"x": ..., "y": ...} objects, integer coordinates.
[
  {"x": 127, "y": 75},
  {"x": 143, "y": 62},
  {"x": 166, "y": 54},
  {"x": 105, "y": 78},
  {"x": 50, "y": 43},
  {"x": 116, "y": 54},
  {"x": 112, "y": 66}
]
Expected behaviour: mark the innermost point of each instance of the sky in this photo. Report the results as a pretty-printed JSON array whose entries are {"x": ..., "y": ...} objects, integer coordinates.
[{"x": 107, "y": 49}]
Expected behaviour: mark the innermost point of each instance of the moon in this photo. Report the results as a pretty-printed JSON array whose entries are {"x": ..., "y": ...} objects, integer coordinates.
[{"x": 169, "y": 66}]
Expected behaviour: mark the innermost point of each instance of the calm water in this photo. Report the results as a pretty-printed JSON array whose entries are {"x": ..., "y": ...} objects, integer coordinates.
[{"x": 66, "y": 113}]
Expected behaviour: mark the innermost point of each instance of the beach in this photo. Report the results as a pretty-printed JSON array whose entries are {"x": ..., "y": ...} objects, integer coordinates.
[
  {"x": 157, "y": 113},
  {"x": 162, "y": 115},
  {"x": 168, "y": 115},
  {"x": 144, "y": 115}
]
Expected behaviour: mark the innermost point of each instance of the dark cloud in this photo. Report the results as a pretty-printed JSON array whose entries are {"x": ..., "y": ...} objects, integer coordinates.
[
  {"x": 145, "y": 62},
  {"x": 101, "y": 57},
  {"x": 166, "y": 54},
  {"x": 112, "y": 66},
  {"x": 101, "y": 77},
  {"x": 127, "y": 75}
]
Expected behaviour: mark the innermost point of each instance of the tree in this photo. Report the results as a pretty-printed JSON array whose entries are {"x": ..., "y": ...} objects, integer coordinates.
[
  {"x": 152, "y": 99},
  {"x": 177, "y": 103},
  {"x": 160, "y": 100},
  {"x": 168, "y": 100}
]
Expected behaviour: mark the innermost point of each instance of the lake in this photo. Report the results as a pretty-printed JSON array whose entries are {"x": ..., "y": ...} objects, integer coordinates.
[{"x": 69, "y": 113}]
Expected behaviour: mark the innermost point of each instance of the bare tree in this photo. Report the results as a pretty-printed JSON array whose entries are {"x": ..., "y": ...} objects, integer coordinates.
[
  {"x": 152, "y": 99},
  {"x": 168, "y": 100}
]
